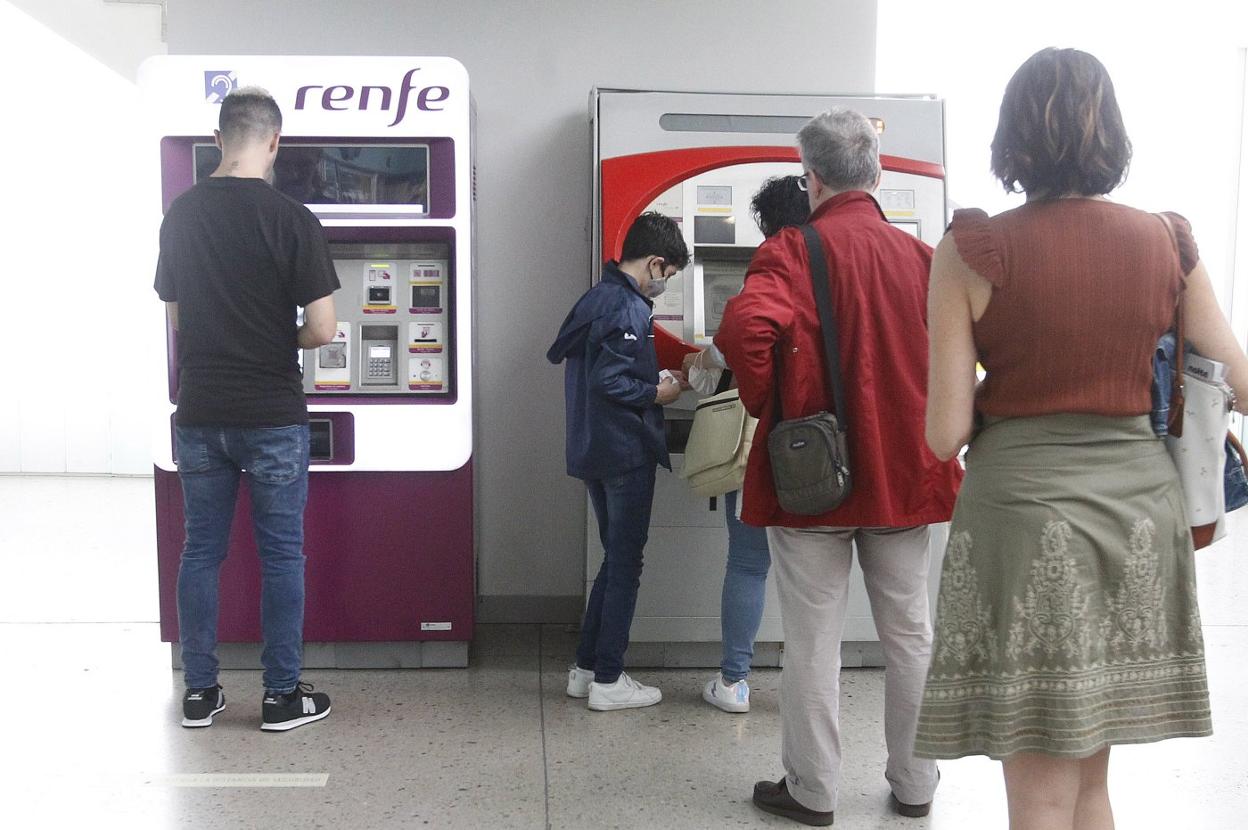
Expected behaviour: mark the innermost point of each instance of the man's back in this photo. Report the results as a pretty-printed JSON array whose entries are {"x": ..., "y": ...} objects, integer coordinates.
[
  {"x": 238, "y": 257},
  {"x": 772, "y": 335}
]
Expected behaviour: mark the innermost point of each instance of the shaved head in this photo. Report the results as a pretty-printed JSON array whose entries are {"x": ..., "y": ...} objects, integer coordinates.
[{"x": 249, "y": 114}]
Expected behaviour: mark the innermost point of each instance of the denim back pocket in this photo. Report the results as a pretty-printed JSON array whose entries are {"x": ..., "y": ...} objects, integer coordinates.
[
  {"x": 276, "y": 455},
  {"x": 190, "y": 449}
]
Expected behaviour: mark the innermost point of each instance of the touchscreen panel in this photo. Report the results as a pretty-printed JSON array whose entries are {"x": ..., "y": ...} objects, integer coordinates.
[{"x": 343, "y": 174}]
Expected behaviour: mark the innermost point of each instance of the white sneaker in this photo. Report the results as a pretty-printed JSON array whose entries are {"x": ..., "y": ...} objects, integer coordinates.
[
  {"x": 731, "y": 697},
  {"x": 578, "y": 681},
  {"x": 624, "y": 693}
]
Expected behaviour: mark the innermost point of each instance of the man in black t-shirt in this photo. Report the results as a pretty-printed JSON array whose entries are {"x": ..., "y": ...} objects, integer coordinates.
[{"x": 237, "y": 259}]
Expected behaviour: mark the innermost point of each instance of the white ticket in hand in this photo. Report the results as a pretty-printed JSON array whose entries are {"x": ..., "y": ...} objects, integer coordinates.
[{"x": 665, "y": 376}]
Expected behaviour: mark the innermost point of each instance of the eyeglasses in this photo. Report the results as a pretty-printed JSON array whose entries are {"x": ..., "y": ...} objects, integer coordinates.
[{"x": 802, "y": 184}]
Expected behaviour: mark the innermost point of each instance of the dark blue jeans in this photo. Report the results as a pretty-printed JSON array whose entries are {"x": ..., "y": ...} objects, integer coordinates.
[
  {"x": 210, "y": 461},
  {"x": 622, "y": 504}
]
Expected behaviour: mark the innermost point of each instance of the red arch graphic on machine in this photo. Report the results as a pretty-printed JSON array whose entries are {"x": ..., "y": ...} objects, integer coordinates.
[{"x": 633, "y": 182}]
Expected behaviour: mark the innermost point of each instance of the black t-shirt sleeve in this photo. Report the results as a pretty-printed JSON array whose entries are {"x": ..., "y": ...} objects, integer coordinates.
[
  {"x": 166, "y": 285},
  {"x": 313, "y": 275}
]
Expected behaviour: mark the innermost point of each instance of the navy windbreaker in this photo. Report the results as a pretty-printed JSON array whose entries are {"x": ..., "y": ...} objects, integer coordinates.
[{"x": 610, "y": 380}]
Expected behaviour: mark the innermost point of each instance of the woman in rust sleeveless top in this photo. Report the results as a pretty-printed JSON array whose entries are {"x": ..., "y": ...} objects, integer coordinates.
[{"x": 1067, "y": 620}]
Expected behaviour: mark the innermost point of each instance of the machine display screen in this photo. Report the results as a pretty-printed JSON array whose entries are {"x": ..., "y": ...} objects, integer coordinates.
[
  {"x": 717, "y": 195},
  {"x": 343, "y": 174},
  {"x": 426, "y": 296},
  {"x": 714, "y": 230},
  {"x": 379, "y": 351}
]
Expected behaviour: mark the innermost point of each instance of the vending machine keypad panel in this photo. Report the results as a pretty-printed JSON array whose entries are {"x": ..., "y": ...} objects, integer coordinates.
[{"x": 395, "y": 332}]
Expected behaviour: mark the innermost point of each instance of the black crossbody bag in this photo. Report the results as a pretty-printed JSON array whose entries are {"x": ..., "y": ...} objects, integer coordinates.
[{"x": 810, "y": 456}]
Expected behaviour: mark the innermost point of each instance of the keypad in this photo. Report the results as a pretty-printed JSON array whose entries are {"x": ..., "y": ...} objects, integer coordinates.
[{"x": 379, "y": 367}]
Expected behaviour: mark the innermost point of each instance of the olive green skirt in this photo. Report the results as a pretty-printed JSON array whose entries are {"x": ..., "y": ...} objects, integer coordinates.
[{"x": 1067, "y": 619}]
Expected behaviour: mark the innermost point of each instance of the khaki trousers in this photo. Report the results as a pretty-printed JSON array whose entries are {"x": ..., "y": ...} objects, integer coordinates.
[{"x": 812, "y": 568}]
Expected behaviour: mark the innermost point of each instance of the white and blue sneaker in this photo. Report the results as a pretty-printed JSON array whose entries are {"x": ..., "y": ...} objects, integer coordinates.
[
  {"x": 731, "y": 697},
  {"x": 578, "y": 681}
]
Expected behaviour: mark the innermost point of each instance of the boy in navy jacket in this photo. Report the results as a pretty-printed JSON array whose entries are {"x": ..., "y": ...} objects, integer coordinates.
[{"x": 614, "y": 402}]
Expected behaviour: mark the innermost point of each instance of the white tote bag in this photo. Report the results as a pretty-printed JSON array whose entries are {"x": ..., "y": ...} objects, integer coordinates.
[{"x": 1200, "y": 456}]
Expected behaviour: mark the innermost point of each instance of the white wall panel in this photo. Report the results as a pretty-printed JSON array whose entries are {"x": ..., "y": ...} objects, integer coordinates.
[
  {"x": 42, "y": 429},
  {"x": 80, "y": 202},
  {"x": 10, "y": 431}
]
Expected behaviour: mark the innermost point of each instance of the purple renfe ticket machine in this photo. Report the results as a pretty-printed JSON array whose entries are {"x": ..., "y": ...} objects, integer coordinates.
[{"x": 379, "y": 148}]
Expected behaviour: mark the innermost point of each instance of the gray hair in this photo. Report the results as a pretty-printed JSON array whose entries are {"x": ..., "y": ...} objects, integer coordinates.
[
  {"x": 843, "y": 149},
  {"x": 249, "y": 113}
]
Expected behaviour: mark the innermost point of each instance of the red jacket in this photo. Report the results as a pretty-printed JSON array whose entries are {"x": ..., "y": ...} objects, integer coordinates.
[{"x": 771, "y": 331}]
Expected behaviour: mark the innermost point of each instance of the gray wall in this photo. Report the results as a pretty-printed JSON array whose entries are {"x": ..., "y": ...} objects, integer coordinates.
[{"x": 531, "y": 66}]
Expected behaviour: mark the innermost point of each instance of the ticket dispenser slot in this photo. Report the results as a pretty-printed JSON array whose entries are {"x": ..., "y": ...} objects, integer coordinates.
[
  {"x": 379, "y": 346},
  {"x": 321, "y": 439}
]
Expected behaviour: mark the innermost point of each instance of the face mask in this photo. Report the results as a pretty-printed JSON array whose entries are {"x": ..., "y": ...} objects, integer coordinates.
[{"x": 656, "y": 285}]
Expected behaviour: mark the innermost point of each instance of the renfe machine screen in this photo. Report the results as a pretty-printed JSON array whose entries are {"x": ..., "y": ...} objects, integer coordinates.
[{"x": 343, "y": 174}]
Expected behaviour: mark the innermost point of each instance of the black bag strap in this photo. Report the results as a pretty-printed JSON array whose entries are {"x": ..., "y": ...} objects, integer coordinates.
[
  {"x": 827, "y": 322},
  {"x": 725, "y": 381}
]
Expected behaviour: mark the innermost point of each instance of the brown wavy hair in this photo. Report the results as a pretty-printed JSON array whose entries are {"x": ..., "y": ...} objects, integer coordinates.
[{"x": 1060, "y": 130}]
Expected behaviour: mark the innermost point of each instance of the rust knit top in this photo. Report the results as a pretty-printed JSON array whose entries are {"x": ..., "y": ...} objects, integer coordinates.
[{"x": 1082, "y": 289}]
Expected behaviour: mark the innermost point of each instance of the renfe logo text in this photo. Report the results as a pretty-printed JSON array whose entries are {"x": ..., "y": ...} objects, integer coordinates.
[{"x": 340, "y": 97}]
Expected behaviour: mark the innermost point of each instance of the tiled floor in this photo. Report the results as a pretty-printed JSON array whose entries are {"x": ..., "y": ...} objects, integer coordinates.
[{"x": 88, "y": 718}]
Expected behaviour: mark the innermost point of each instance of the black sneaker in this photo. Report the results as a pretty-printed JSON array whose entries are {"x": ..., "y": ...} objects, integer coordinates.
[
  {"x": 293, "y": 709},
  {"x": 199, "y": 705}
]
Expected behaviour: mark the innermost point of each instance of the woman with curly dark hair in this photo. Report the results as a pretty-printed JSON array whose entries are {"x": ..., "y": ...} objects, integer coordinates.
[
  {"x": 778, "y": 204},
  {"x": 1067, "y": 620}
]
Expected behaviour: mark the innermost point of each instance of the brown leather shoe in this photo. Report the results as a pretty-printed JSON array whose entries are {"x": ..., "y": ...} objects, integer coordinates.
[
  {"x": 773, "y": 797},
  {"x": 901, "y": 808}
]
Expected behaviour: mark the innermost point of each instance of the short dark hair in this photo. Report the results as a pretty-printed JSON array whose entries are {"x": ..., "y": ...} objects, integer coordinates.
[
  {"x": 779, "y": 204},
  {"x": 654, "y": 234},
  {"x": 1060, "y": 130},
  {"x": 249, "y": 114}
]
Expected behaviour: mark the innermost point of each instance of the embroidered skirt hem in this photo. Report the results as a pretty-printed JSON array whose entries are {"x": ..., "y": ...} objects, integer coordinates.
[{"x": 1067, "y": 618}]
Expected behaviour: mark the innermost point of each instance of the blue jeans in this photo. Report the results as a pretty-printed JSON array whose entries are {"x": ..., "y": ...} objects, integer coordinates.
[
  {"x": 622, "y": 504},
  {"x": 210, "y": 460},
  {"x": 745, "y": 591},
  {"x": 1163, "y": 381}
]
